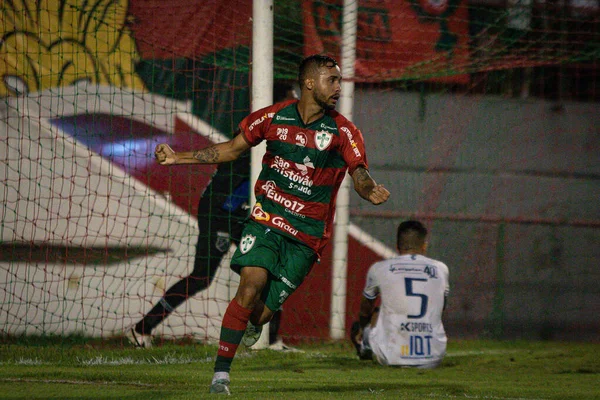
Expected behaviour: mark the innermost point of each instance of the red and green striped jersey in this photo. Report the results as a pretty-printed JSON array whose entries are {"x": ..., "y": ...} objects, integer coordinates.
[{"x": 302, "y": 169}]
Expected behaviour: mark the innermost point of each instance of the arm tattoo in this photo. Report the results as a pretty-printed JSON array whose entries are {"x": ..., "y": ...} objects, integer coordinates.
[
  {"x": 363, "y": 182},
  {"x": 362, "y": 175},
  {"x": 209, "y": 155}
]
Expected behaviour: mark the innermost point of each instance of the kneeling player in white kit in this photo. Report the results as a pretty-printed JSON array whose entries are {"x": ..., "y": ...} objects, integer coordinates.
[{"x": 406, "y": 330}]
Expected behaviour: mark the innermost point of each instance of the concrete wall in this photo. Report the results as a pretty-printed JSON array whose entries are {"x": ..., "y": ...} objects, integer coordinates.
[
  {"x": 110, "y": 242},
  {"x": 510, "y": 190}
]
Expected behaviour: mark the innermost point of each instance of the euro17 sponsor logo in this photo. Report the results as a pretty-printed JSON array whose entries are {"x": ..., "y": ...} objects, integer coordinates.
[{"x": 294, "y": 207}]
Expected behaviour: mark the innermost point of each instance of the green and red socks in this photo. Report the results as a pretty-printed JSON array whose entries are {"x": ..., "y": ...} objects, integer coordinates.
[{"x": 233, "y": 328}]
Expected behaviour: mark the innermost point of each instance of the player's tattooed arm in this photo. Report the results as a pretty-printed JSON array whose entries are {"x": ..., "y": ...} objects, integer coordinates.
[
  {"x": 208, "y": 155},
  {"x": 218, "y": 153},
  {"x": 367, "y": 188},
  {"x": 363, "y": 183}
]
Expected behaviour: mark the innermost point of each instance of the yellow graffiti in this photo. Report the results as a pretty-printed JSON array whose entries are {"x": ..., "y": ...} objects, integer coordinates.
[{"x": 53, "y": 43}]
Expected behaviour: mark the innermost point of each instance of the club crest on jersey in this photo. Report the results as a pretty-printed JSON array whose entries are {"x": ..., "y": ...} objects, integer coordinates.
[
  {"x": 259, "y": 214},
  {"x": 247, "y": 243},
  {"x": 323, "y": 139}
]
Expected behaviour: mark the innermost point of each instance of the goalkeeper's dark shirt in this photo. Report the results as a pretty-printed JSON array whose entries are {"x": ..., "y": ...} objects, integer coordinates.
[{"x": 224, "y": 203}]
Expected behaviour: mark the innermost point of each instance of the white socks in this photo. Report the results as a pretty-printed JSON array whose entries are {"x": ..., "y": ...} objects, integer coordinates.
[{"x": 220, "y": 375}]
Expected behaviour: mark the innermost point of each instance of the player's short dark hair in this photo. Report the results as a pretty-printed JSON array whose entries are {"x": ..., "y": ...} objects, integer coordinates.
[
  {"x": 411, "y": 235},
  {"x": 312, "y": 63}
]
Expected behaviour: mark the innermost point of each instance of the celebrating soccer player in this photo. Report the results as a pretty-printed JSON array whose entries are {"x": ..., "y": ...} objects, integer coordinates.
[{"x": 310, "y": 147}]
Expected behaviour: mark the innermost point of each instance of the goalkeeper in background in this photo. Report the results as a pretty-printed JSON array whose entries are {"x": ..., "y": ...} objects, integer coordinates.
[
  {"x": 222, "y": 209},
  {"x": 406, "y": 330}
]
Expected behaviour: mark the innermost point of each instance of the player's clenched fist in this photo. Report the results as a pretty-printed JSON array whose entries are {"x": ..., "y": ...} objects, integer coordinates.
[
  {"x": 379, "y": 194},
  {"x": 164, "y": 154}
]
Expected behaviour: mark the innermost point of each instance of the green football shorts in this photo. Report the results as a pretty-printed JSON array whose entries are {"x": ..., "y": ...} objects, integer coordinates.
[{"x": 287, "y": 260}]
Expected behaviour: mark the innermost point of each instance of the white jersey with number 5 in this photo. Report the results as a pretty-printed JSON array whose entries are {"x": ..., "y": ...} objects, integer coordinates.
[{"x": 409, "y": 329}]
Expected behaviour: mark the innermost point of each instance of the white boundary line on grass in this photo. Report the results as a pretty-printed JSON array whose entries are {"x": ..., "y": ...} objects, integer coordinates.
[
  {"x": 74, "y": 382},
  {"x": 479, "y": 352},
  {"x": 172, "y": 360},
  {"x": 150, "y": 360}
]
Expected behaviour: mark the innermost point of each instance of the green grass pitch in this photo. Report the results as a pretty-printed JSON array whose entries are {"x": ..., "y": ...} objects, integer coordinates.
[{"x": 71, "y": 368}]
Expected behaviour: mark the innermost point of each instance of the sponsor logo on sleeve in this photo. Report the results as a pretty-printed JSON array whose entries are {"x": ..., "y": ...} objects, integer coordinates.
[
  {"x": 352, "y": 142},
  {"x": 260, "y": 120}
]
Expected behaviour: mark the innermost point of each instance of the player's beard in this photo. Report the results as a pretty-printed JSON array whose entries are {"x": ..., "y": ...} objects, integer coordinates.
[{"x": 322, "y": 101}]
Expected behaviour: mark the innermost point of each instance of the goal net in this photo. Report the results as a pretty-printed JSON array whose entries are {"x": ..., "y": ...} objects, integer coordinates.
[{"x": 480, "y": 117}]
